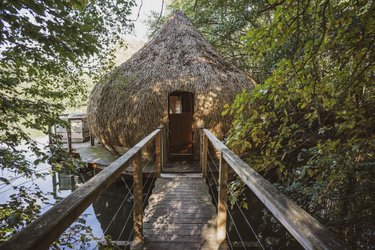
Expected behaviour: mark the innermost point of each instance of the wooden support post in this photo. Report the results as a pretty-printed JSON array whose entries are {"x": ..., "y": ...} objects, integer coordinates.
[
  {"x": 222, "y": 200},
  {"x": 92, "y": 140},
  {"x": 204, "y": 148},
  {"x": 200, "y": 148},
  {"x": 138, "y": 197},
  {"x": 49, "y": 134},
  {"x": 69, "y": 136},
  {"x": 54, "y": 133},
  {"x": 165, "y": 145},
  {"x": 158, "y": 154},
  {"x": 162, "y": 148}
]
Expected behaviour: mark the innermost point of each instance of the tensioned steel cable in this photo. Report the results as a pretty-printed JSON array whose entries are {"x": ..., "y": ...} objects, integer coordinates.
[
  {"x": 230, "y": 215},
  {"x": 131, "y": 212},
  {"x": 251, "y": 227},
  {"x": 130, "y": 235},
  {"x": 127, "y": 187},
  {"x": 129, "y": 193},
  {"x": 126, "y": 222},
  {"x": 17, "y": 177},
  {"x": 235, "y": 226},
  {"x": 118, "y": 210},
  {"x": 247, "y": 221},
  {"x": 213, "y": 161},
  {"x": 216, "y": 203}
]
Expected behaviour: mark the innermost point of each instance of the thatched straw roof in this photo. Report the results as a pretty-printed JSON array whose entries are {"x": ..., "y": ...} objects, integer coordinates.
[{"x": 133, "y": 100}]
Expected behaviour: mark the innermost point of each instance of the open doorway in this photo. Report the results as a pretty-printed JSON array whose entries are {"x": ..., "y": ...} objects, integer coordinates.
[
  {"x": 181, "y": 108},
  {"x": 181, "y": 134}
]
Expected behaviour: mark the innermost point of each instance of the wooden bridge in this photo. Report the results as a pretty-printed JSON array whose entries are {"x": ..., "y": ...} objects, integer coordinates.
[{"x": 181, "y": 213}]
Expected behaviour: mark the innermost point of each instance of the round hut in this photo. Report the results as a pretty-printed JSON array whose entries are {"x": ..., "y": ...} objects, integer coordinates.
[{"x": 177, "y": 79}]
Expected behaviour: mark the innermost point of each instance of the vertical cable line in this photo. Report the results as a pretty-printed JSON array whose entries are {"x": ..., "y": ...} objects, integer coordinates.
[{"x": 148, "y": 191}]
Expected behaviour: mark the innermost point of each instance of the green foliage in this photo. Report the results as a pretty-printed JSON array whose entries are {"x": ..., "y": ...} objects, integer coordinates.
[
  {"x": 78, "y": 236},
  {"x": 310, "y": 126},
  {"x": 47, "y": 50},
  {"x": 236, "y": 193},
  {"x": 21, "y": 209}
]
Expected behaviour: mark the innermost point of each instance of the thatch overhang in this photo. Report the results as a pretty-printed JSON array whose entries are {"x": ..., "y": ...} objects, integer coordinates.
[{"x": 133, "y": 100}]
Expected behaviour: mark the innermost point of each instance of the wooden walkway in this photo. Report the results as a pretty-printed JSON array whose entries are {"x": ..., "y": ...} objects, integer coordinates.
[{"x": 180, "y": 215}]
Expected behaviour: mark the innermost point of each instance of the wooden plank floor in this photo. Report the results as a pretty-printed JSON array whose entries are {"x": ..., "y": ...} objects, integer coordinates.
[
  {"x": 181, "y": 166},
  {"x": 180, "y": 215}
]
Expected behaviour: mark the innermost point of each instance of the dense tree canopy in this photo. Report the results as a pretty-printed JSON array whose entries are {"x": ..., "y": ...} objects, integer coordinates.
[
  {"x": 47, "y": 47},
  {"x": 47, "y": 50},
  {"x": 309, "y": 125}
]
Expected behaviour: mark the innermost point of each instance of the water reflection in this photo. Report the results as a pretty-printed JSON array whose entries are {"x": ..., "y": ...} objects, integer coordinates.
[
  {"x": 113, "y": 209},
  {"x": 110, "y": 215}
]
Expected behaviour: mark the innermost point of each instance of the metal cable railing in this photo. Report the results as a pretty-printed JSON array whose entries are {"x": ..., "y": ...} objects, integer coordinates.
[
  {"x": 3, "y": 185},
  {"x": 246, "y": 220},
  {"x": 239, "y": 208},
  {"x": 212, "y": 160},
  {"x": 302, "y": 226},
  {"x": 119, "y": 208},
  {"x": 216, "y": 203}
]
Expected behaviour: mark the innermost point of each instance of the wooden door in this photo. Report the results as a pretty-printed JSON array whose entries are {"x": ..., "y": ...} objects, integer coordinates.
[{"x": 180, "y": 123}]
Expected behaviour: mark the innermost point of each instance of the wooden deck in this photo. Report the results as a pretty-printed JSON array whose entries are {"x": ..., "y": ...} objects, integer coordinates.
[
  {"x": 180, "y": 215},
  {"x": 181, "y": 166},
  {"x": 98, "y": 157}
]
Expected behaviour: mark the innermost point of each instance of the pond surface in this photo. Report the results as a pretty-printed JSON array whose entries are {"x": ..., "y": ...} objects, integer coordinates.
[{"x": 110, "y": 215}]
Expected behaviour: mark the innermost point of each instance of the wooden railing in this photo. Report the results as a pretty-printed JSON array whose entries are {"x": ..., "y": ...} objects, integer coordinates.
[
  {"x": 41, "y": 233},
  {"x": 304, "y": 228},
  {"x": 52, "y": 132}
]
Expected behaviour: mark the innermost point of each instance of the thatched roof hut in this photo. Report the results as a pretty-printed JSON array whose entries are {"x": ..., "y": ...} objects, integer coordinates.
[{"x": 178, "y": 62}]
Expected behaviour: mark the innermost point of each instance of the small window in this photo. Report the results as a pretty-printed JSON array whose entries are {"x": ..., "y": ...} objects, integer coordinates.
[
  {"x": 180, "y": 102},
  {"x": 175, "y": 106}
]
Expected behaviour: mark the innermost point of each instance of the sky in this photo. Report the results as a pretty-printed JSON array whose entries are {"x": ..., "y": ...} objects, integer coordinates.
[
  {"x": 136, "y": 40},
  {"x": 148, "y": 6}
]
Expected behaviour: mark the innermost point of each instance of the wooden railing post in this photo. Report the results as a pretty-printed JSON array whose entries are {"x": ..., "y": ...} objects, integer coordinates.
[
  {"x": 222, "y": 200},
  {"x": 69, "y": 136},
  {"x": 92, "y": 140},
  {"x": 50, "y": 134},
  {"x": 204, "y": 148},
  {"x": 138, "y": 195},
  {"x": 158, "y": 154},
  {"x": 165, "y": 144}
]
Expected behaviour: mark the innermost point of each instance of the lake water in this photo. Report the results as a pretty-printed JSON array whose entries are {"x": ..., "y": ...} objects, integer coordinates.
[{"x": 110, "y": 214}]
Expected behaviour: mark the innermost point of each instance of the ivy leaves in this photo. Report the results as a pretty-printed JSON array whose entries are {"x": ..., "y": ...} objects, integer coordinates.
[
  {"x": 308, "y": 124},
  {"x": 49, "y": 49}
]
